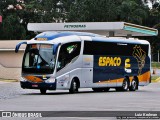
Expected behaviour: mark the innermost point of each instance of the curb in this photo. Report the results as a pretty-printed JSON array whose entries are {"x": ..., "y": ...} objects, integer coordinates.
[
  {"x": 4, "y": 80},
  {"x": 157, "y": 80}
]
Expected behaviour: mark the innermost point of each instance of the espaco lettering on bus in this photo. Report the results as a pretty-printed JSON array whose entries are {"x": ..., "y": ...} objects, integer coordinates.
[{"x": 109, "y": 61}]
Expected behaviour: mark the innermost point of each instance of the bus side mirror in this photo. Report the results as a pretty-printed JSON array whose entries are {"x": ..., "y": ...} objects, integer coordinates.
[
  {"x": 18, "y": 46},
  {"x": 55, "y": 48}
]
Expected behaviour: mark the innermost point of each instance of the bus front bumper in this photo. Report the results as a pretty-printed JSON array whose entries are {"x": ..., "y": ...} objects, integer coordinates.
[{"x": 43, "y": 85}]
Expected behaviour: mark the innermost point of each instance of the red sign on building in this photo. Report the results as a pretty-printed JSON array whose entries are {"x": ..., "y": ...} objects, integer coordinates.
[{"x": 0, "y": 18}]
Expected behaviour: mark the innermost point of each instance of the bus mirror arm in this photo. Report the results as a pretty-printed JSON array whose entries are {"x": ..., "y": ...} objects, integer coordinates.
[
  {"x": 18, "y": 46},
  {"x": 55, "y": 48}
]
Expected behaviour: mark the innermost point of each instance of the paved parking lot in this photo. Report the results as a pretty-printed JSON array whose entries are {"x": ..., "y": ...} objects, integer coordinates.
[{"x": 13, "y": 98}]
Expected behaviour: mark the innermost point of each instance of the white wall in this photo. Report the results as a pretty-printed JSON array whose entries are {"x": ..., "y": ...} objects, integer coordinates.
[{"x": 10, "y": 64}]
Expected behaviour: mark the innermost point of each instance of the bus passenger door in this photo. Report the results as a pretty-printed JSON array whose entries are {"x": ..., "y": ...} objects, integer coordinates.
[
  {"x": 87, "y": 71},
  {"x": 68, "y": 64}
]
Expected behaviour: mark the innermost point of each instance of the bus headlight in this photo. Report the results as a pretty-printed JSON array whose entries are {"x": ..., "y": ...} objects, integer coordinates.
[{"x": 50, "y": 80}]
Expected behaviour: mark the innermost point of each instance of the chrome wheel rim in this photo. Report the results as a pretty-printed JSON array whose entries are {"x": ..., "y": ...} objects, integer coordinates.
[
  {"x": 74, "y": 85},
  {"x": 125, "y": 85},
  {"x": 134, "y": 84}
]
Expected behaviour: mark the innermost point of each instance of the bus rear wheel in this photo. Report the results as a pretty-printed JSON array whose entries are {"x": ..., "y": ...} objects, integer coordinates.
[
  {"x": 43, "y": 91},
  {"x": 74, "y": 86},
  {"x": 134, "y": 85},
  {"x": 125, "y": 85}
]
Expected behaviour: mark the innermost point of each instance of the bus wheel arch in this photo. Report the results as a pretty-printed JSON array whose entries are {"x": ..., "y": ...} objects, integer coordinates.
[
  {"x": 75, "y": 84},
  {"x": 134, "y": 84}
]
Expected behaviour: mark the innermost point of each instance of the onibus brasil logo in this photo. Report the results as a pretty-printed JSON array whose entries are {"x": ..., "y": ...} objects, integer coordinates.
[{"x": 140, "y": 55}]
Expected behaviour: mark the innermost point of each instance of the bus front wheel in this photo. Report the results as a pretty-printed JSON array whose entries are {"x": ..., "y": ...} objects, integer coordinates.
[
  {"x": 43, "y": 91},
  {"x": 74, "y": 86}
]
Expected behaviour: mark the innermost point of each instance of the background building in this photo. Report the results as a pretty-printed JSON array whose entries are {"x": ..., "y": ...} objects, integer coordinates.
[{"x": 10, "y": 62}]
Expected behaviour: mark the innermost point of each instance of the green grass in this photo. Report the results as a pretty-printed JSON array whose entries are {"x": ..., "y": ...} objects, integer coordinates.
[
  {"x": 155, "y": 65},
  {"x": 155, "y": 78}
]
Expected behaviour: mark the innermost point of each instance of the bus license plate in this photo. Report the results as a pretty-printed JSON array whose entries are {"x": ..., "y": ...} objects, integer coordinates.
[{"x": 34, "y": 85}]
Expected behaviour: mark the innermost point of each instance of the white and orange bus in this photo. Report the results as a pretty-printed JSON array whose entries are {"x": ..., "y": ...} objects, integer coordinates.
[{"x": 62, "y": 59}]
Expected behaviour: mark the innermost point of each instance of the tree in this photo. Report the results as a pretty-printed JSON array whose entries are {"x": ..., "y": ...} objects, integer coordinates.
[
  {"x": 133, "y": 11},
  {"x": 153, "y": 21},
  {"x": 152, "y": 2},
  {"x": 25, "y": 11},
  {"x": 93, "y": 11},
  {"x": 11, "y": 27}
]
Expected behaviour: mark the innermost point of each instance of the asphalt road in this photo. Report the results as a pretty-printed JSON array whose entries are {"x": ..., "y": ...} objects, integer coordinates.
[{"x": 13, "y": 98}]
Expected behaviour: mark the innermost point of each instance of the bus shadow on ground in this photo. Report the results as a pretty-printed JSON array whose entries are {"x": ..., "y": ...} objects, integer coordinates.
[{"x": 83, "y": 92}]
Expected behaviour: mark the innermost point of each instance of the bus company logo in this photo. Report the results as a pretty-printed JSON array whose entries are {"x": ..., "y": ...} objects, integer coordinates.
[
  {"x": 74, "y": 26},
  {"x": 140, "y": 55},
  {"x": 109, "y": 61}
]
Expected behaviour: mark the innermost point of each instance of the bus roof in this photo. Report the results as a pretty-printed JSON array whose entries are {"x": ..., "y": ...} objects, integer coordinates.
[
  {"x": 52, "y": 35},
  {"x": 102, "y": 28}
]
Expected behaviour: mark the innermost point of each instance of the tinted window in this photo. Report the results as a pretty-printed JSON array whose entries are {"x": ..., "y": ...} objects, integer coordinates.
[
  {"x": 108, "y": 48},
  {"x": 67, "y": 53}
]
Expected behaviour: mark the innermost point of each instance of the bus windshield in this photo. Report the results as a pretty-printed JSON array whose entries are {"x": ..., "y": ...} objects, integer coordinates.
[{"x": 38, "y": 58}]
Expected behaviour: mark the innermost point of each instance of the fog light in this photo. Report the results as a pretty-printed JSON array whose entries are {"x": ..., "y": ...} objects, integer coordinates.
[{"x": 23, "y": 79}]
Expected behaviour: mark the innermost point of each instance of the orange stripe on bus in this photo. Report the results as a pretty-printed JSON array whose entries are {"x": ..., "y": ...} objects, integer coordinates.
[
  {"x": 142, "y": 78},
  {"x": 33, "y": 79}
]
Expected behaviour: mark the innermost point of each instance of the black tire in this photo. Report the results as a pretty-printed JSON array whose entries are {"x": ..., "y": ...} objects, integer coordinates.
[
  {"x": 43, "y": 91},
  {"x": 74, "y": 86},
  {"x": 134, "y": 85},
  {"x": 125, "y": 85}
]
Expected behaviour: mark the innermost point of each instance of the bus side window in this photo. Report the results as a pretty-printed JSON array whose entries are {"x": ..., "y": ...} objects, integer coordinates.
[{"x": 67, "y": 53}]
